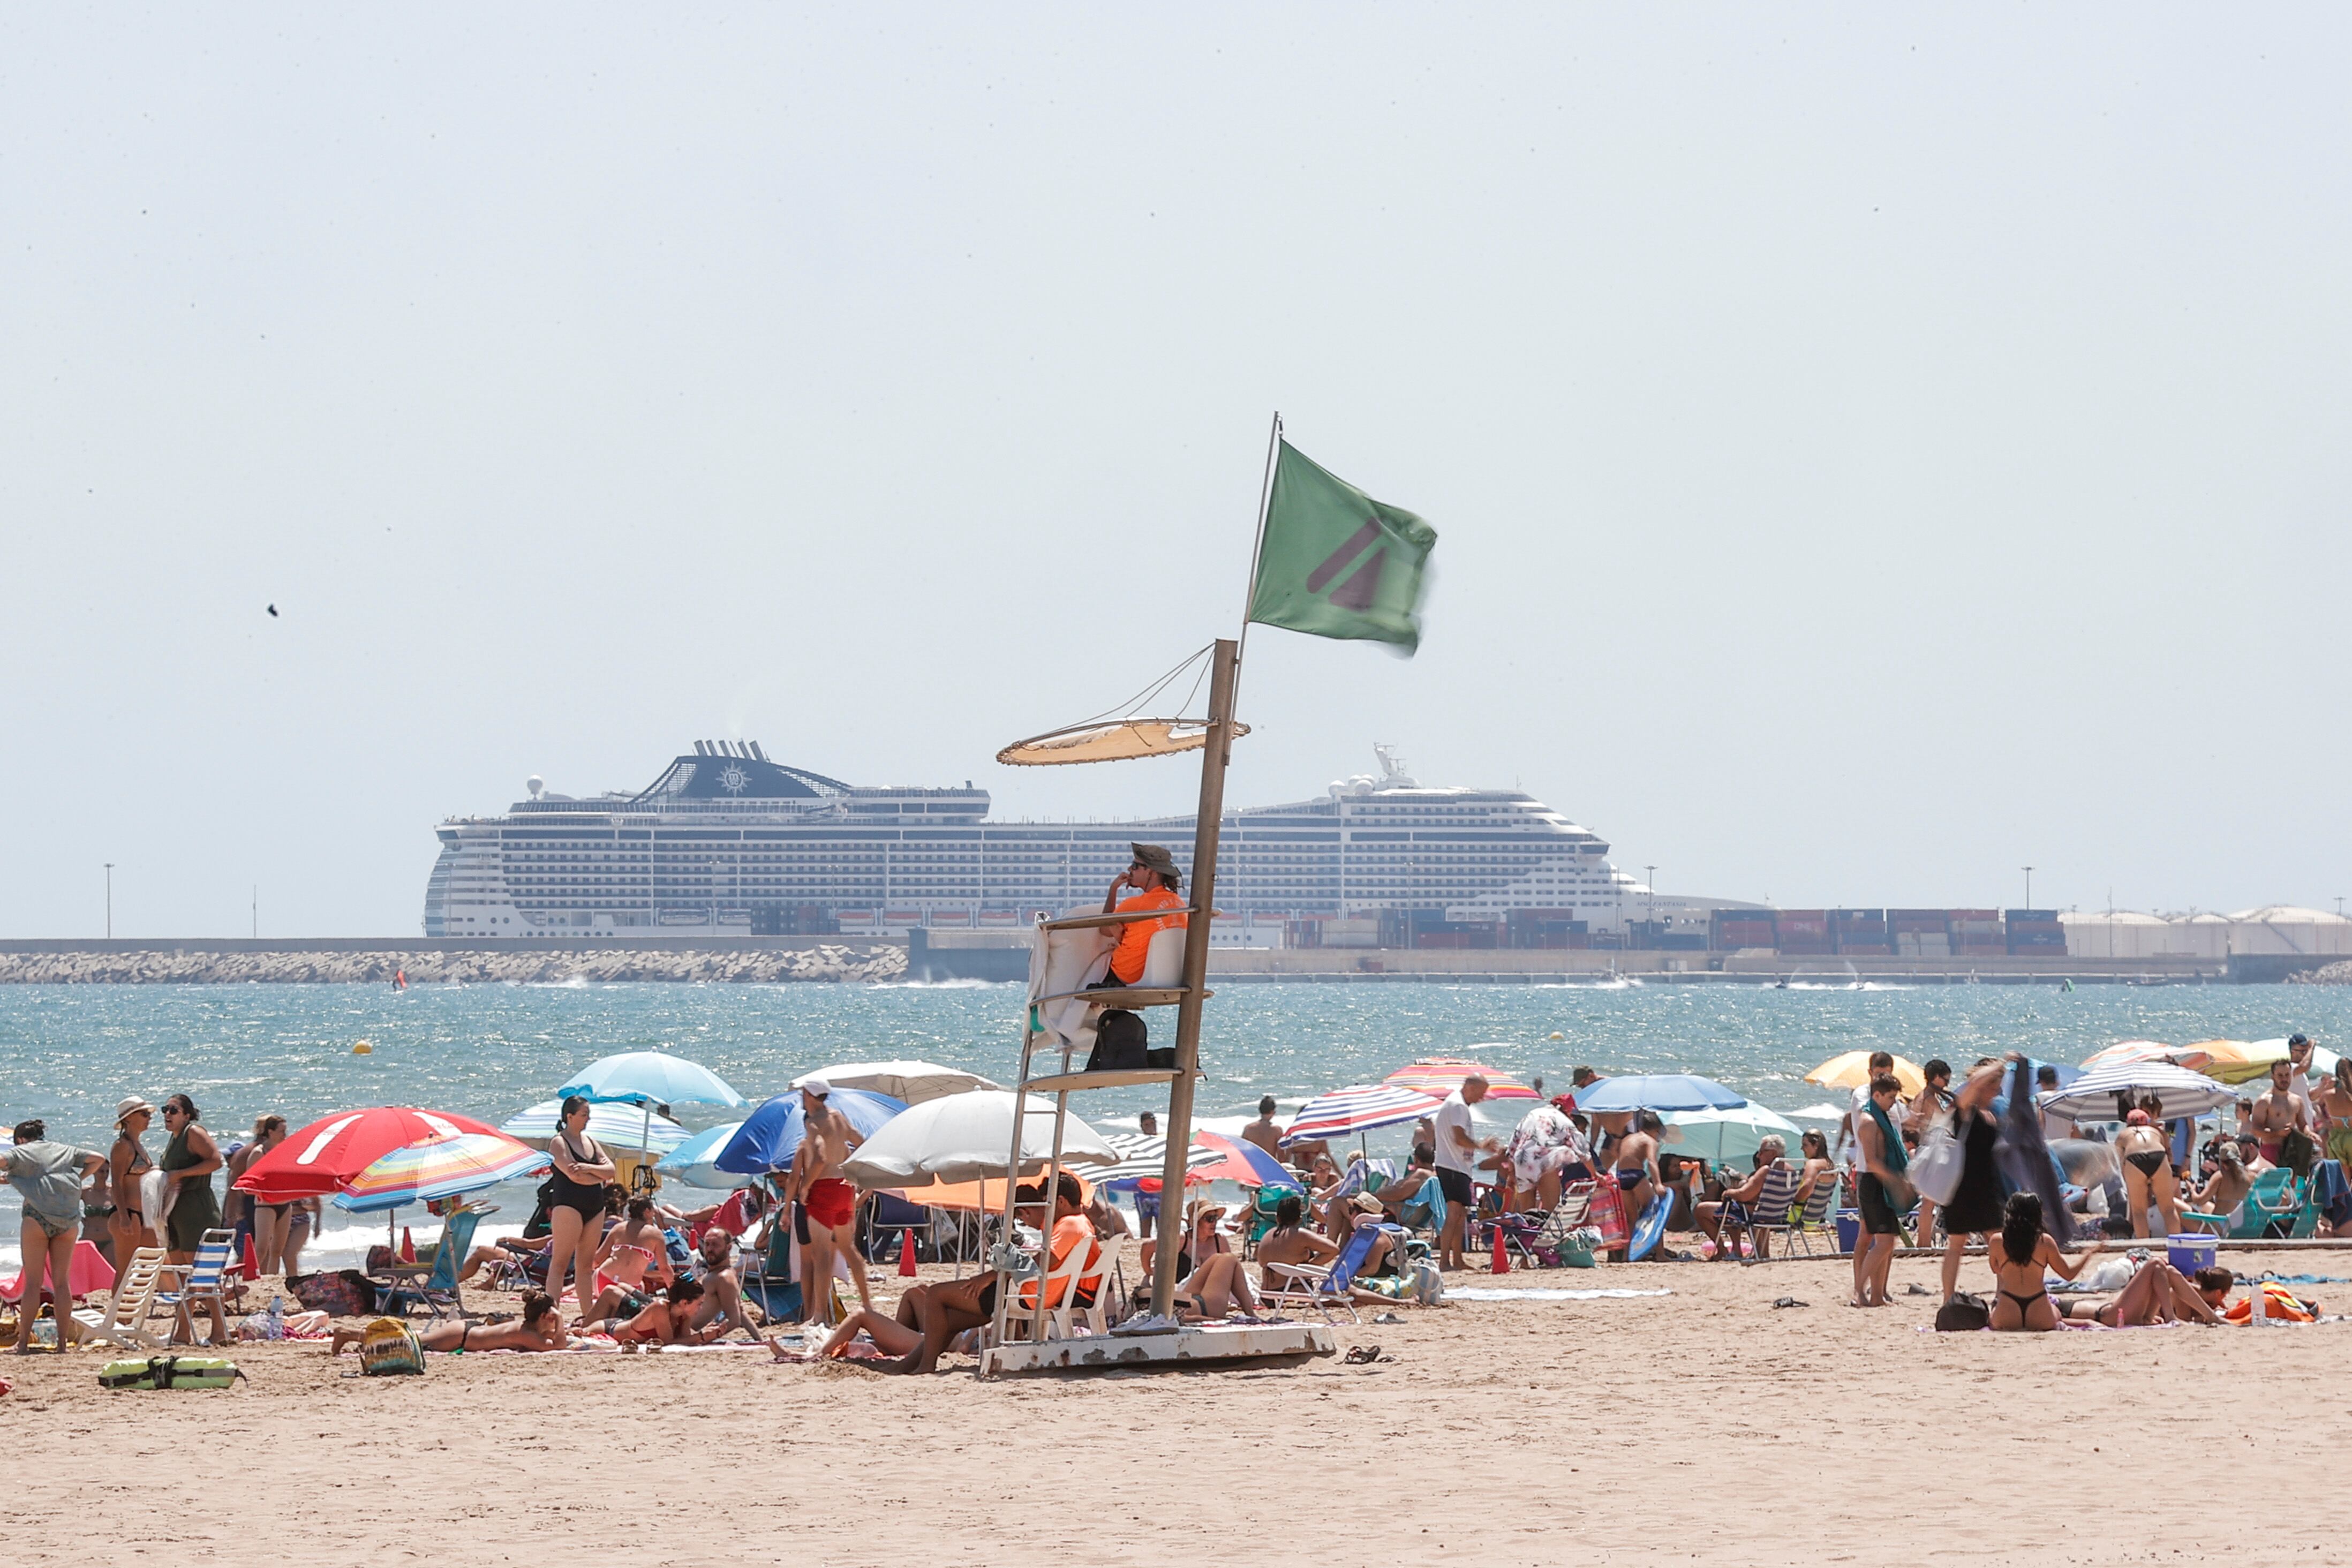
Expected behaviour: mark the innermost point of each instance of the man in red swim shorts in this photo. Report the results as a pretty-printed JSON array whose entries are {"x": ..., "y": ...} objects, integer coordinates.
[{"x": 828, "y": 1204}]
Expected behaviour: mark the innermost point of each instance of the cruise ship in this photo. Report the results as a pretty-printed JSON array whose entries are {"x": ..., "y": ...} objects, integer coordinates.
[{"x": 729, "y": 842}]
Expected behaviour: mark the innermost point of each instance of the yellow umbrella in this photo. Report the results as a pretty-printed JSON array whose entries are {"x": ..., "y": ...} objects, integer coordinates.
[
  {"x": 1851, "y": 1070},
  {"x": 2244, "y": 1063}
]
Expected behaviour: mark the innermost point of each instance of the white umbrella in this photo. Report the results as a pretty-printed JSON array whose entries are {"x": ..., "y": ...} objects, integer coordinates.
[
  {"x": 911, "y": 1081},
  {"x": 1731, "y": 1132},
  {"x": 964, "y": 1137},
  {"x": 2092, "y": 1096},
  {"x": 621, "y": 1126}
]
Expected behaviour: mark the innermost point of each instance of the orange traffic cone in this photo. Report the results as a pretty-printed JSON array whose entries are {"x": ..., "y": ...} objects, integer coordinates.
[
  {"x": 252, "y": 1264},
  {"x": 1502, "y": 1258},
  {"x": 407, "y": 1246},
  {"x": 906, "y": 1255}
]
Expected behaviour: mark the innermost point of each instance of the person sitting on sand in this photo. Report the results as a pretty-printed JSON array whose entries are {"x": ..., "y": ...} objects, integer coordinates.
[
  {"x": 666, "y": 1321},
  {"x": 722, "y": 1308},
  {"x": 540, "y": 1328},
  {"x": 629, "y": 1264},
  {"x": 2019, "y": 1252}
]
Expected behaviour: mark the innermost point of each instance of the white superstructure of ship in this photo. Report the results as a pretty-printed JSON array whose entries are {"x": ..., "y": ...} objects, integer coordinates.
[{"x": 729, "y": 842}]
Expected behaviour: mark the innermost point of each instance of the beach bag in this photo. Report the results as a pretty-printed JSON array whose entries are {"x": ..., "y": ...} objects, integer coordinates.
[
  {"x": 339, "y": 1293},
  {"x": 389, "y": 1347},
  {"x": 1425, "y": 1283},
  {"x": 170, "y": 1372},
  {"x": 1120, "y": 1042},
  {"x": 1935, "y": 1168},
  {"x": 1964, "y": 1313},
  {"x": 1607, "y": 1212}
]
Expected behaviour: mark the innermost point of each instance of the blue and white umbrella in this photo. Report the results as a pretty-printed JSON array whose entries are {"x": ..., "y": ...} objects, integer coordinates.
[
  {"x": 618, "y": 1126},
  {"x": 1658, "y": 1091},
  {"x": 691, "y": 1162},
  {"x": 772, "y": 1135},
  {"x": 651, "y": 1077}
]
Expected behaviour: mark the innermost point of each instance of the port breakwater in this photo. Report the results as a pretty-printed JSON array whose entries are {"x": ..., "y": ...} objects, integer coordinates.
[{"x": 349, "y": 961}]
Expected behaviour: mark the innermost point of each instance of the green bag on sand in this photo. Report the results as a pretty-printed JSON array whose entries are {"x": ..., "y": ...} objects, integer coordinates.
[
  {"x": 170, "y": 1372},
  {"x": 390, "y": 1347}
]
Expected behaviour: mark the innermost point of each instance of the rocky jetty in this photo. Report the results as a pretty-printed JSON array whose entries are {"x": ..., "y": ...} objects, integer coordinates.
[
  {"x": 2329, "y": 975},
  {"x": 473, "y": 966}
]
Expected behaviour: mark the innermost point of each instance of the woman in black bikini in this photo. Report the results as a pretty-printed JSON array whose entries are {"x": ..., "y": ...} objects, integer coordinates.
[
  {"x": 129, "y": 1224},
  {"x": 2019, "y": 1252},
  {"x": 2147, "y": 1173},
  {"x": 575, "y": 1201},
  {"x": 540, "y": 1328}
]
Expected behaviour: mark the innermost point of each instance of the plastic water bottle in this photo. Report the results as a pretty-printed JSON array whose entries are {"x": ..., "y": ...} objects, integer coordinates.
[{"x": 277, "y": 1318}]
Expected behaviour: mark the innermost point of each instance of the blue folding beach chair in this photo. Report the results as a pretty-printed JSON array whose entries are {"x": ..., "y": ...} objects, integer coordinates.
[{"x": 434, "y": 1286}]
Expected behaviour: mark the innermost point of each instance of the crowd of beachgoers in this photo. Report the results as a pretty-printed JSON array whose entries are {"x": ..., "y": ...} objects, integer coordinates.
[{"x": 1960, "y": 1158}]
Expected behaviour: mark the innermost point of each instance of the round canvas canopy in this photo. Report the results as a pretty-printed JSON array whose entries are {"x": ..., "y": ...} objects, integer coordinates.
[{"x": 1117, "y": 740}]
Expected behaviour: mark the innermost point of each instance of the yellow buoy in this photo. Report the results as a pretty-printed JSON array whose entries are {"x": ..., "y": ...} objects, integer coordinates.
[
  {"x": 363, "y": 1049},
  {"x": 1558, "y": 1035}
]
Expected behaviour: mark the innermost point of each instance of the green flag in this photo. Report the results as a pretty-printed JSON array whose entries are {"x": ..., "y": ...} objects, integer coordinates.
[{"x": 1334, "y": 563}]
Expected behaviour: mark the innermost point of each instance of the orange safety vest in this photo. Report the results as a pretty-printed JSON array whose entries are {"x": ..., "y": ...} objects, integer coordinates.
[{"x": 1135, "y": 936}]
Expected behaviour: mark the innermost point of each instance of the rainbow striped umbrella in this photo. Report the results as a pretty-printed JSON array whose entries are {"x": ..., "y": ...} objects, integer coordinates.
[
  {"x": 1359, "y": 1108},
  {"x": 439, "y": 1168},
  {"x": 1441, "y": 1075}
]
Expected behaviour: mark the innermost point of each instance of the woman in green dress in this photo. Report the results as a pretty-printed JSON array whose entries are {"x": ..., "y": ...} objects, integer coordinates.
[{"x": 188, "y": 1163}]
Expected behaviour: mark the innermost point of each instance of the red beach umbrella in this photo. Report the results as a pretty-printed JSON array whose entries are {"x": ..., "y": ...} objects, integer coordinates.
[{"x": 321, "y": 1159}]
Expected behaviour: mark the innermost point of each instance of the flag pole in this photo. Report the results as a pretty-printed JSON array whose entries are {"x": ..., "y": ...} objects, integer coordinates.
[{"x": 1257, "y": 544}]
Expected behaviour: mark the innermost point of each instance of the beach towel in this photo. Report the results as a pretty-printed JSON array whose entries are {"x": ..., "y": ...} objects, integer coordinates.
[
  {"x": 2023, "y": 1157},
  {"x": 1484, "y": 1293}
]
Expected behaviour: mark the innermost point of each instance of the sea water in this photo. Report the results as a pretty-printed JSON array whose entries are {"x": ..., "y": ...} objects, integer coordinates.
[{"x": 68, "y": 1053}]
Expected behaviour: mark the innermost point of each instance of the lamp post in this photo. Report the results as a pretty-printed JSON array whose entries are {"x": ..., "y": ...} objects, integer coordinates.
[
  {"x": 2029, "y": 887},
  {"x": 109, "y": 900}
]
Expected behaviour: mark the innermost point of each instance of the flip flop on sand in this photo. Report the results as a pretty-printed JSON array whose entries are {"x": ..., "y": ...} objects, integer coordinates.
[
  {"x": 1363, "y": 1354},
  {"x": 1790, "y": 1301}
]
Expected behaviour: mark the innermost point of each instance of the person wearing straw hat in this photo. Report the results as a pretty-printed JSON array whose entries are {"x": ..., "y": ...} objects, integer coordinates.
[{"x": 130, "y": 1225}]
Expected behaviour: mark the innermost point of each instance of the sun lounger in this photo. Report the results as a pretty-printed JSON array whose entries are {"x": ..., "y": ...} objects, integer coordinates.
[{"x": 124, "y": 1321}]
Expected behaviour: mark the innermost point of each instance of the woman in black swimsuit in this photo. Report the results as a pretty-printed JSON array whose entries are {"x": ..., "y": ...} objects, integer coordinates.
[
  {"x": 1976, "y": 1207},
  {"x": 2147, "y": 1173},
  {"x": 575, "y": 1200},
  {"x": 2019, "y": 1251}
]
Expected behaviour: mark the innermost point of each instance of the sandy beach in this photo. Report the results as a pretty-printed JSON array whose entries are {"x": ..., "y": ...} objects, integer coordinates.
[{"x": 1702, "y": 1427}]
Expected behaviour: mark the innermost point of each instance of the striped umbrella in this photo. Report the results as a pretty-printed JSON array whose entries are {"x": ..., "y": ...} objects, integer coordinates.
[
  {"x": 439, "y": 1168},
  {"x": 2126, "y": 1051},
  {"x": 1438, "y": 1077},
  {"x": 613, "y": 1124},
  {"x": 1144, "y": 1156},
  {"x": 2090, "y": 1098},
  {"x": 1355, "y": 1110}
]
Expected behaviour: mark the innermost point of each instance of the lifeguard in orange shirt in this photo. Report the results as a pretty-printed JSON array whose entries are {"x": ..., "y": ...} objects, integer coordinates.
[{"x": 1154, "y": 873}]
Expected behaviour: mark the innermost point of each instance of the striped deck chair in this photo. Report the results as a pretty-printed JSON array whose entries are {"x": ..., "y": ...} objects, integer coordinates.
[
  {"x": 203, "y": 1282},
  {"x": 1818, "y": 1216},
  {"x": 433, "y": 1284}
]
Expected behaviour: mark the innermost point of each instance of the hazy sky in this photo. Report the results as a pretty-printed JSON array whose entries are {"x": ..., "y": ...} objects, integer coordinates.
[{"x": 1871, "y": 451}]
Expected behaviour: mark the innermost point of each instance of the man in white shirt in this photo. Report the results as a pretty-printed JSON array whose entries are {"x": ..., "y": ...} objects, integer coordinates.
[
  {"x": 1457, "y": 1154},
  {"x": 1858, "y": 1108}
]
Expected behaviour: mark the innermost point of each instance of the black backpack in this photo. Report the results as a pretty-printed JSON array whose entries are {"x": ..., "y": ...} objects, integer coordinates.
[
  {"x": 1964, "y": 1313},
  {"x": 1120, "y": 1041}
]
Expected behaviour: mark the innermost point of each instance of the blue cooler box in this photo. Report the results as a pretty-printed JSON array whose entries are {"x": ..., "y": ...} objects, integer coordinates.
[{"x": 2191, "y": 1252}]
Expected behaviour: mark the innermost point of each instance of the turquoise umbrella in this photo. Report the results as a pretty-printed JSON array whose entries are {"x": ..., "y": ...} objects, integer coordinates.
[{"x": 690, "y": 1162}]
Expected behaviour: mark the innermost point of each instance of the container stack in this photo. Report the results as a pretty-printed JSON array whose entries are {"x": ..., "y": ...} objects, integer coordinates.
[
  {"x": 1977, "y": 933},
  {"x": 1803, "y": 932},
  {"x": 1731, "y": 929},
  {"x": 1860, "y": 934},
  {"x": 1920, "y": 934},
  {"x": 2036, "y": 934}
]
